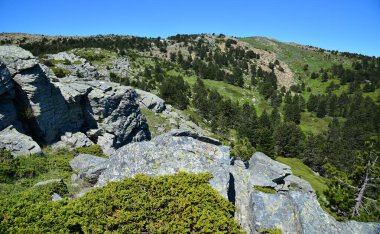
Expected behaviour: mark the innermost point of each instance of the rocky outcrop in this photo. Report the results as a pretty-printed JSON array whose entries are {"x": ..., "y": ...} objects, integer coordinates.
[
  {"x": 73, "y": 140},
  {"x": 17, "y": 143},
  {"x": 294, "y": 208},
  {"x": 298, "y": 212},
  {"x": 76, "y": 65},
  {"x": 268, "y": 173},
  {"x": 168, "y": 154},
  {"x": 50, "y": 107},
  {"x": 89, "y": 166},
  {"x": 150, "y": 101}
]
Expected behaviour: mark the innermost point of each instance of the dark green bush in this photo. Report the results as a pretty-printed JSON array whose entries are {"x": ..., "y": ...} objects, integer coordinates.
[
  {"x": 92, "y": 149},
  {"x": 7, "y": 166},
  {"x": 181, "y": 203}
]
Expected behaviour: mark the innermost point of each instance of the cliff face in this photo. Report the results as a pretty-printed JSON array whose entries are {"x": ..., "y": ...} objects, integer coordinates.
[{"x": 44, "y": 107}]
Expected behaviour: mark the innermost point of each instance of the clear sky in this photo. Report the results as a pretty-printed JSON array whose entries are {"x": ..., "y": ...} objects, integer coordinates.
[{"x": 344, "y": 25}]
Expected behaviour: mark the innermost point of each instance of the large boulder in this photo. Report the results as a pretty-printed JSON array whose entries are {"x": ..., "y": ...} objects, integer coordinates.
[
  {"x": 17, "y": 143},
  {"x": 73, "y": 140},
  {"x": 115, "y": 110},
  {"x": 167, "y": 154},
  {"x": 51, "y": 107},
  {"x": 294, "y": 208},
  {"x": 89, "y": 166},
  {"x": 298, "y": 212},
  {"x": 77, "y": 66},
  {"x": 268, "y": 173},
  {"x": 150, "y": 101}
]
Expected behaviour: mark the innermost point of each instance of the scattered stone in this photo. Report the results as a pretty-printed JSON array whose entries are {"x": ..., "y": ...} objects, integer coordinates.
[
  {"x": 268, "y": 173},
  {"x": 56, "y": 197},
  {"x": 17, "y": 143},
  {"x": 150, "y": 101},
  {"x": 49, "y": 182},
  {"x": 73, "y": 140},
  {"x": 89, "y": 166}
]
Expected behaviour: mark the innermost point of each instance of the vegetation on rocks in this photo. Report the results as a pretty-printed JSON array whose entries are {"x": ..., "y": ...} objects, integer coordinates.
[{"x": 182, "y": 202}]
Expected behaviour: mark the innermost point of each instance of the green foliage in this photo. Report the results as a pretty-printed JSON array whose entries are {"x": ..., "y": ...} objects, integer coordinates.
[
  {"x": 175, "y": 91},
  {"x": 288, "y": 139},
  {"x": 182, "y": 203},
  {"x": 243, "y": 149},
  {"x": 92, "y": 150},
  {"x": 299, "y": 169},
  {"x": 270, "y": 231},
  {"x": 60, "y": 72},
  {"x": 356, "y": 194},
  {"x": 265, "y": 189},
  {"x": 7, "y": 166}
]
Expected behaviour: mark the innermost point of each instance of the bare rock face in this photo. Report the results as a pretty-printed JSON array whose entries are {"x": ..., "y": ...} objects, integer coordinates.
[
  {"x": 293, "y": 207},
  {"x": 297, "y": 212},
  {"x": 150, "y": 101},
  {"x": 17, "y": 143},
  {"x": 50, "y": 107},
  {"x": 77, "y": 66},
  {"x": 89, "y": 166},
  {"x": 5, "y": 79},
  {"x": 167, "y": 154}
]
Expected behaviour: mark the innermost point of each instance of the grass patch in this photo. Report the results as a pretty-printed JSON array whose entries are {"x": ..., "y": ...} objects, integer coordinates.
[
  {"x": 312, "y": 124},
  {"x": 92, "y": 150},
  {"x": 265, "y": 189},
  {"x": 60, "y": 72},
  {"x": 301, "y": 170},
  {"x": 155, "y": 121}
]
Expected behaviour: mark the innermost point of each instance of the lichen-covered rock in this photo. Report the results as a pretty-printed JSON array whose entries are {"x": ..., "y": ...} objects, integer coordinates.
[
  {"x": 89, "y": 166},
  {"x": 114, "y": 109},
  {"x": 73, "y": 140},
  {"x": 267, "y": 171},
  {"x": 298, "y": 212},
  {"x": 17, "y": 59},
  {"x": 76, "y": 65},
  {"x": 150, "y": 101},
  {"x": 17, "y": 143},
  {"x": 51, "y": 107},
  {"x": 294, "y": 209},
  {"x": 168, "y": 154}
]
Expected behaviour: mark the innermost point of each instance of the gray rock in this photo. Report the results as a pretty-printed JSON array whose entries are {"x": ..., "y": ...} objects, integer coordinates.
[
  {"x": 79, "y": 66},
  {"x": 73, "y": 140},
  {"x": 168, "y": 154},
  {"x": 49, "y": 181},
  {"x": 5, "y": 79},
  {"x": 294, "y": 211},
  {"x": 56, "y": 197},
  {"x": 115, "y": 110},
  {"x": 243, "y": 188},
  {"x": 89, "y": 166},
  {"x": 297, "y": 212},
  {"x": 52, "y": 107},
  {"x": 17, "y": 59},
  {"x": 120, "y": 67},
  {"x": 267, "y": 171},
  {"x": 297, "y": 184},
  {"x": 17, "y": 143},
  {"x": 8, "y": 114},
  {"x": 150, "y": 101}
]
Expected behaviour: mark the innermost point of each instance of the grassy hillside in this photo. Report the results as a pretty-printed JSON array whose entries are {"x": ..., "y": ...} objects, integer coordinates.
[{"x": 301, "y": 170}]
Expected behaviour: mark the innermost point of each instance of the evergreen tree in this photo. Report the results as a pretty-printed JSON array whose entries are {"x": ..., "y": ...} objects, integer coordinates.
[{"x": 288, "y": 139}]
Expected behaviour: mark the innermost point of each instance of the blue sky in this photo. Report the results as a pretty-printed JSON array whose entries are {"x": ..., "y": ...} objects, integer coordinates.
[{"x": 345, "y": 25}]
